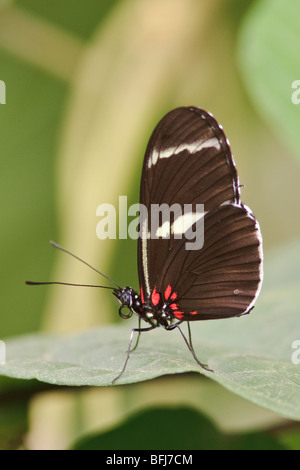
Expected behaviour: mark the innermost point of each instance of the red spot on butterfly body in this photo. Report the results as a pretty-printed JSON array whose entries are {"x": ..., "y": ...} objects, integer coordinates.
[
  {"x": 142, "y": 295},
  {"x": 155, "y": 297},
  {"x": 174, "y": 306},
  {"x": 168, "y": 292},
  {"x": 178, "y": 314},
  {"x": 193, "y": 313},
  {"x": 169, "y": 295}
]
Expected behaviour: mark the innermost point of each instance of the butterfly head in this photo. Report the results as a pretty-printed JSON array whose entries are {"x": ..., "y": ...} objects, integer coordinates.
[{"x": 129, "y": 300}]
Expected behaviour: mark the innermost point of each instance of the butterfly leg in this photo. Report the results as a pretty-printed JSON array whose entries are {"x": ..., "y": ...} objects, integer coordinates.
[
  {"x": 191, "y": 348},
  {"x": 138, "y": 338},
  {"x": 134, "y": 330},
  {"x": 189, "y": 343}
]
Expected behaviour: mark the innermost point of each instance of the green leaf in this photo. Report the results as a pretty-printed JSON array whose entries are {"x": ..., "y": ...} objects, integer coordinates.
[
  {"x": 142, "y": 431},
  {"x": 250, "y": 355},
  {"x": 268, "y": 54}
]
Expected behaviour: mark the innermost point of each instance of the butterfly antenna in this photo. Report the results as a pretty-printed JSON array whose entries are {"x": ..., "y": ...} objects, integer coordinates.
[
  {"x": 84, "y": 262},
  {"x": 33, "y": 283}
]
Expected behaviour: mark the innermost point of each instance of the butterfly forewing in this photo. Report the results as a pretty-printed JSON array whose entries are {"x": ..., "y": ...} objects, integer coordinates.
[{"x": 188, "y": 161}]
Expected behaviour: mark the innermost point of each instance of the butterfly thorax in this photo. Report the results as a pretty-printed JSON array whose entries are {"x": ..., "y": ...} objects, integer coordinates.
[{"x": 159, "y": 314}]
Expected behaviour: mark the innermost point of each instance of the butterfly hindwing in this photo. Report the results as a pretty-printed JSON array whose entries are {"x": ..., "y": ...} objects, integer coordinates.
[{"x": 223, "y": 278}]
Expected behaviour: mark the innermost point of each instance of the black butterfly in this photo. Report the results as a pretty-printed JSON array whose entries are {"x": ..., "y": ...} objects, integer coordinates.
[{"x": 188, "y": 161}]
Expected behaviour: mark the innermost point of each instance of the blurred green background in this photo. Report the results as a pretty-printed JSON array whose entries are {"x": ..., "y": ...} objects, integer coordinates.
[{"x": 86, "y": 82}]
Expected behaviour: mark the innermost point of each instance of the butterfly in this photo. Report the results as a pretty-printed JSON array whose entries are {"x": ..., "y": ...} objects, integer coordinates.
[{"x": 188, "y": 163}]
